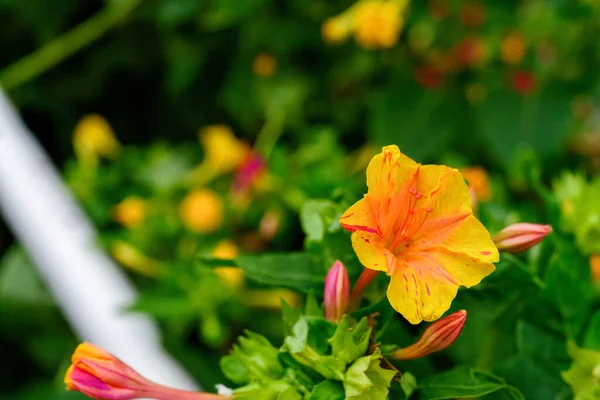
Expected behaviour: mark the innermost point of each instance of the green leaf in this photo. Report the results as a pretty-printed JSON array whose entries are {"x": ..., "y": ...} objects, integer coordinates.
[
  {"x": 327, "y": 390},
  {"x": 165, "y": 306},
  {"x": 296, "y": 342},
  {"x": 212, "y": 262},
  {"x": 366, "y": 380},
  {"x": 543, "y": 345},
  {"x": 294, "y": 270},
  {"x": 19, "y": 280},
  {"x": 403, "y": 117},
  {"x": 538, "y": 122},
  {"x": 584, "y": 374},
  {"x": 349, "y": 344},
  {"x": 592, "y": 334},
  {"x": 463, "y": 382},
  {"x": 569, "y": 292},
  {"x": 532, "y": 378},
  {"x": 408, "y": 382},
  {"x": 290, "y": 317},
  {"x": 312, "y": 308},
  {"x": 253, "y": 359},
  {"x": 312, "y": 218}
]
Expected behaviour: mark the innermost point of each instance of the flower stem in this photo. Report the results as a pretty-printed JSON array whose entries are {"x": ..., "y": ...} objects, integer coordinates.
[
  {"x": 364, "y": 280},
  {"x": 62, "y": 47},
  {"x": 270, "y": 133}
]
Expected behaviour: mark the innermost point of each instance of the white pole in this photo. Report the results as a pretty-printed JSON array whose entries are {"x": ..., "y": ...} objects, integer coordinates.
[{"x": 89, "y": 288}]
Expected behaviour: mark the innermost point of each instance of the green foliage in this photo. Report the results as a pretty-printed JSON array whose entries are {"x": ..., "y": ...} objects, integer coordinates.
[
  {"x": 294, "y": 270},
  {"x": 464, "y": 382},
  {"x": 451, "y": 90}
]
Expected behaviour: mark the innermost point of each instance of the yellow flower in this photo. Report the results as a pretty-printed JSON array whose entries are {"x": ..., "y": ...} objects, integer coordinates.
[
  {"x": 479, "y": 182},
  {"x": 231, "y": 276},
  {"x": 94, "y": 138},
  {"x": 201, "y": 211},
  {"x": 416, "y": 225},
  {"x": 513, "y": 49},
  {"x": 378, "y": 23},
  {"x": 264, "y": 65},
  {"x": 337, "y": 29},
  {"x": 130, "y": 212},
  {"x": 222, "y": 150},
  {"x": 595, "y": 267}
]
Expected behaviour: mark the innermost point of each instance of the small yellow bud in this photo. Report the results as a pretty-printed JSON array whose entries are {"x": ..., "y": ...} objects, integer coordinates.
[
  {"x": 130, "y": 212},
  {"x": 201, "y": 211},
  {"x": 231, "y": 276},
  {"x": 94, "y": 138},
  {"x": 264, "y": 65},
  {"x": 223, "y": 151}
]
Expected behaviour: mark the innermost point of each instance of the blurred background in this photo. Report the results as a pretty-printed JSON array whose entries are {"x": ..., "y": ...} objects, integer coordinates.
[{"x": 195, "y": 129}]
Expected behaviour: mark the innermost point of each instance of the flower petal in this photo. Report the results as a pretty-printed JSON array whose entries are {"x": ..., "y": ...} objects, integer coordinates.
[
  {"x": 456, "y": 268},
  {"x": 445, "y": 190},
  {"x": 420, "y": 296},
  {"x": 359, "y": 217},
  {"x": 467, "y": 236},
  {"x": 372, "y": 253},
  {"x": 388, "y": 172}
]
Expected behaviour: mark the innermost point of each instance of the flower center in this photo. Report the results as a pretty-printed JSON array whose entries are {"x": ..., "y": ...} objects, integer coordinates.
[{"x": 404, "y": 229}]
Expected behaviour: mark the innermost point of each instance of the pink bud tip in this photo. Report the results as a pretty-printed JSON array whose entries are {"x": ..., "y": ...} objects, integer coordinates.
[
  {"x": 100, "y": 375},
  {"x": 337, "y": 292},
  {"x": 520, "y": 237},
  {"x": 437, "y": 337}
]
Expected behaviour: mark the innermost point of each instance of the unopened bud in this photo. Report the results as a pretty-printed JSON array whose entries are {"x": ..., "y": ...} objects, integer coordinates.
[
  {"x": 337, "y": 292},
  {"x": 520, "y": 237},
  {"x": 437, "y": 337},
  {"x": 100, "y": 375}
]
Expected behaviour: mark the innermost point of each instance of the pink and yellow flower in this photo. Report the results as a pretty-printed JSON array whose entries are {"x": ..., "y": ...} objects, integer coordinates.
[
  {"x": 100, "y": 375},
  {"x": 416, "y": 224}
]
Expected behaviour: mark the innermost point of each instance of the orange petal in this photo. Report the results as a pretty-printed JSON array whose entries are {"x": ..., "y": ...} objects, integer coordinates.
[
  {"x": 359, "y": 217},
  {"x": 372, "y": 253}
]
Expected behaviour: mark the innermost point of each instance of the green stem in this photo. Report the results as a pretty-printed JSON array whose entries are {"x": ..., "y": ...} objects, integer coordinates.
[
  {"x": 62, "y": 47},
  {"x": 270, "y": 132}
]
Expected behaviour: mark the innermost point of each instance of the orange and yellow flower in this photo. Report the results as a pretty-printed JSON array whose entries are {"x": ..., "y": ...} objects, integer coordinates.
[{"x": 416, "y": 224}]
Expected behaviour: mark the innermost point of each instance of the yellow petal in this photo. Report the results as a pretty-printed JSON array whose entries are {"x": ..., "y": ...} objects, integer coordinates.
[
  {"x": 389, "y": 171},
  {"x": 359, "y": 217},
  {"x": 390, "y": 175},
  {"x": 467, "y": 236},
  {"x": 372, "y": 253},
  {"x": 456, "y": 268},
  {"x": 445, "y": 190},
  {"x": 419, "y": 296}
]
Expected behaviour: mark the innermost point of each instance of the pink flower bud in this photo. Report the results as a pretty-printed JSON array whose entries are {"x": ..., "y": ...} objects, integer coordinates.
[
  {"x": 520, "y": 237},
  {"x": 437, "y": 337},
  {"x": 100, "y": 375},
  {"x": 337, "y": 292}
]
